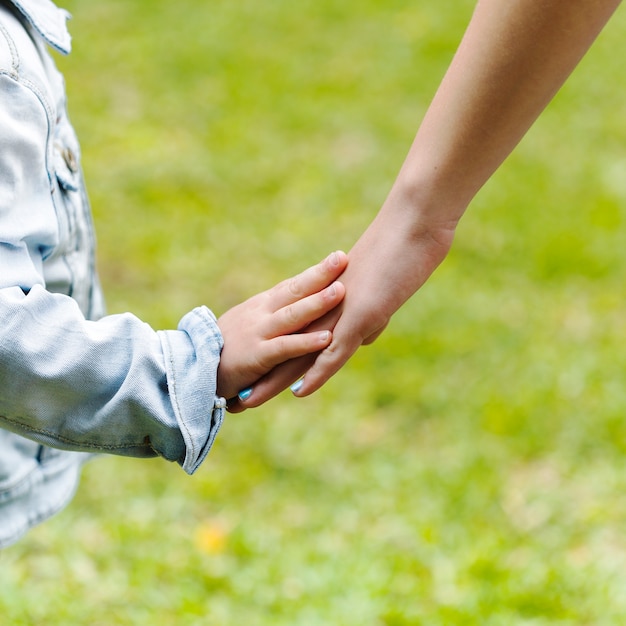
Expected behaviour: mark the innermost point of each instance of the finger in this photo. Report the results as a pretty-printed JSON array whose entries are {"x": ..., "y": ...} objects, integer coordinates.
[
  {"x": 344, "y": 344},
  {"x": 277, "y": 351},
  {"x": 298, "y": 315},
  {"x": 234, "y": 405},
  {"x": 308, "y": 282},
  {"x": 374, "y": 336},
  {"x": 287, "y": 347},
  {"x": 281, "y": 377},
  {"x": 326, "y": 365}
]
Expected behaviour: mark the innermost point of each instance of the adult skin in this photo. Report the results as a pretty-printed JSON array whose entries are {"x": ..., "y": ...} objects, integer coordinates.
[{"x": 513, "y": 58}]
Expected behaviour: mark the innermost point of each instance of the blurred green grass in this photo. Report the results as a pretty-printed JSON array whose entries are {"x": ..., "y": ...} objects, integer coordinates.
[{"x": 466, "y": 469}]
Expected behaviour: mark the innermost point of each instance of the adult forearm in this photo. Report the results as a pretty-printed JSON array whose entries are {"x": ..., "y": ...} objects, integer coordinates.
[{"x": 513, "y": 58}]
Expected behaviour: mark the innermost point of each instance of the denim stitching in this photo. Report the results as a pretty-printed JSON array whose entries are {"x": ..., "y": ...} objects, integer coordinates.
[{"x": 57, "y": 437}]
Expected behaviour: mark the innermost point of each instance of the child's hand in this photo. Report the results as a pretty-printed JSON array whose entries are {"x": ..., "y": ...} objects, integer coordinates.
[{"x": 265, "y": 330}]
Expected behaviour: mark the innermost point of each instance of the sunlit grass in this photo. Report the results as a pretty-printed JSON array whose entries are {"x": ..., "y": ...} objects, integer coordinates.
[{"x": 466, "y": 469}]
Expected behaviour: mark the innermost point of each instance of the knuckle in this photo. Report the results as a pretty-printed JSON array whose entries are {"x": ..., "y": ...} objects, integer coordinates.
[
  {"x": 272, "y": 356},
  {"x": 263, "y": 362},
  {"x": 333, "y": 352},
  {"x": 329, "y": 294},
  {"x": 290, "y": 316},
  {"x": 280, "y": 345},
  {"x": 294, "y": 287}
]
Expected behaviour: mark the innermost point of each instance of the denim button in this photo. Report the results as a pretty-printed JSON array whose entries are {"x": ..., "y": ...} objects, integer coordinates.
[{"x": 70, "y": 160}]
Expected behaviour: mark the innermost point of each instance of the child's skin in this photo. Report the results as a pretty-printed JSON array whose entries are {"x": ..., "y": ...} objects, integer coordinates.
[{"x": 266, "y": 329}]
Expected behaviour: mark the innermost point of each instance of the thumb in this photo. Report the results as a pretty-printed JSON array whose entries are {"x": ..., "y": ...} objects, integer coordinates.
[{"x": 328, "y": 362}]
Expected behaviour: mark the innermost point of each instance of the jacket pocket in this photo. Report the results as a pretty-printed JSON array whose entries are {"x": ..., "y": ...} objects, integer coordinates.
[
  {"x": 66, "y": 185},
  {"x": 71, "y": 270}
]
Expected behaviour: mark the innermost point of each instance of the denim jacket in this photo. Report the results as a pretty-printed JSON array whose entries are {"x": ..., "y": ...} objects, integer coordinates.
[{"x": 74, "y": 382}]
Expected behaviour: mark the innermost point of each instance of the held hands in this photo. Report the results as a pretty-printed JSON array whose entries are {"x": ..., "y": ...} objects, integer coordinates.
[
  {"x": 388, "y": 264},
  {"x": 268, "y": 329}
]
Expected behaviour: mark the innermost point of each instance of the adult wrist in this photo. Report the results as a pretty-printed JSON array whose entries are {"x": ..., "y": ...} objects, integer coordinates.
[{"x": 426, "y": 218}]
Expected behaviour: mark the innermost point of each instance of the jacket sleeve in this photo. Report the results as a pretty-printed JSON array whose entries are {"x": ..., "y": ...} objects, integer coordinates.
[{"x": 113, "y": 385}]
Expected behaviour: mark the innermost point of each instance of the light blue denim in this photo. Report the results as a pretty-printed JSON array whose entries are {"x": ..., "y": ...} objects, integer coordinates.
[{"x": 74, "y": 382}]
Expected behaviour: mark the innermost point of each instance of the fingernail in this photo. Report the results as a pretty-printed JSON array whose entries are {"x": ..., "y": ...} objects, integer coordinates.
[
  {"x": 332, "y": 291},
  {"x": 334, "y": 259},
  {"x": 244, "y": 394},
  {"x": 324, "y": 336},
  {"x": 297, "y": 386}
]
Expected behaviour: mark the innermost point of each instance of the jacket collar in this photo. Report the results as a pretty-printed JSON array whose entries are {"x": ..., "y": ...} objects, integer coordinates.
[{"x": 49, "y": 21}]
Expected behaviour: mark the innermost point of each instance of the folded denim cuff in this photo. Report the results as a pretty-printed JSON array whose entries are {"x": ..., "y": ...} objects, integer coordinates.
[{"x": 192, "y": 355}]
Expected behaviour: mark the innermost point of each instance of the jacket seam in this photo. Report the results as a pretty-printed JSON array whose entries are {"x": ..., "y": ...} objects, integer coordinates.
[
  {"x": 174, "y": 395},
  {"x": 15, "y": 59},
  {"x": 38, "y": 94},
  {"x": 20, "y": 422}
]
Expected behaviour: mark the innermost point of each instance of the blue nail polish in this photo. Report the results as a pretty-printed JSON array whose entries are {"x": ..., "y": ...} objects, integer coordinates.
[
  {"x": 244, "y": 394},
  {"x": 297, "y": 386}
]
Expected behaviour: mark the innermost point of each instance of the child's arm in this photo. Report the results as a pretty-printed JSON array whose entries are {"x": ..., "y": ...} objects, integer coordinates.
[
  {"x": 117, "y": 386},
  {"x": 113, "y": 385}
]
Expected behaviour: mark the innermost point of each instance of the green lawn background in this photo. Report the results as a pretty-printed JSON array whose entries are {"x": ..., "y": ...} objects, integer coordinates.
[{"x": 466, "y": 469}]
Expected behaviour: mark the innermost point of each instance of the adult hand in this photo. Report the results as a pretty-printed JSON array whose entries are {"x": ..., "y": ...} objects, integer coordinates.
[
  {"x": 510, "y": 63},
  {"x": 386, "y": 266}
]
